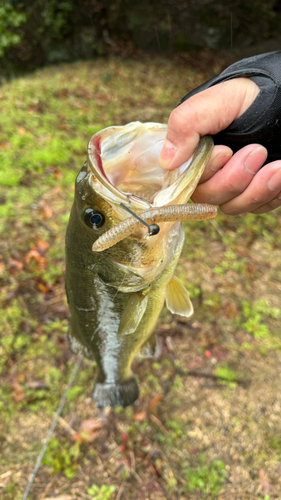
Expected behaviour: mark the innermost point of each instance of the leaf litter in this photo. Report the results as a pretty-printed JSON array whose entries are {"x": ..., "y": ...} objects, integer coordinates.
[{"x": 189, "y": 436}]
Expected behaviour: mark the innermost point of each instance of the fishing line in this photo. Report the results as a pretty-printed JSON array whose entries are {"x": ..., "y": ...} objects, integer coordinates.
[
  {"x": 53, "y": 426},
  {"x": 152, "y": 228}
]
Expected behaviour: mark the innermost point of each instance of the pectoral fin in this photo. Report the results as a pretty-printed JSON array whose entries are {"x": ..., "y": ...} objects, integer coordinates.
[
  {"x": 132, "y": 314},
  {"x": 177, "y": 298}
]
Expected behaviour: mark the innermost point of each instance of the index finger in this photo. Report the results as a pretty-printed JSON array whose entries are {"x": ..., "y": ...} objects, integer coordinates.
[{"x": 207, "y": 112}]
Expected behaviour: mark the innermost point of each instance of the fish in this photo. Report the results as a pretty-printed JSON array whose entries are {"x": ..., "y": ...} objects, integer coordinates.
[{"x": 118, "y": 274}]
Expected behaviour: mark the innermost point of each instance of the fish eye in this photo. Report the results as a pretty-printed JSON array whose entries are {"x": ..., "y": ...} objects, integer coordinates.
[{"x": 93, "y": 218}]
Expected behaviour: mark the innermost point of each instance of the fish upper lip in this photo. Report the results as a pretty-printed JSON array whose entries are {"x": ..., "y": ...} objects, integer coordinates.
[{"x": 165, "y": 195}]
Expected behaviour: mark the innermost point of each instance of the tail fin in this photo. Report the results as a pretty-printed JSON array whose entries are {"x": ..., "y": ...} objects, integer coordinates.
[{"x": 122, "y": 394}]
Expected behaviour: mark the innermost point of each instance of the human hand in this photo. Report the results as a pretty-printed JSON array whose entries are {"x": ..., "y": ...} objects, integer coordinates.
[{"x": 235, "y": 183}]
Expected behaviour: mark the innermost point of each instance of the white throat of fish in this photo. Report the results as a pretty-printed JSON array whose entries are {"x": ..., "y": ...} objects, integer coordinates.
[{"x": 127, "y": 170}]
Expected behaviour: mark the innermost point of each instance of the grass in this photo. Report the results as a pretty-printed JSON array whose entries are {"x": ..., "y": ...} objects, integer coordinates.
[{"x": 208, "y": 418}]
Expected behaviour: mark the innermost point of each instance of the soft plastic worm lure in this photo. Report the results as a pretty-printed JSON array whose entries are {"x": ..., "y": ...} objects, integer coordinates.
[{"x": 170, "y": 213}]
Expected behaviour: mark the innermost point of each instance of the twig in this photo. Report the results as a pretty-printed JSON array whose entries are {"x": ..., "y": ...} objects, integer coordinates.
[
  {"x": 120, "y": 491},
  {"x": 136, "y": 476},
  {"x": 160, "y": 425},
  {"x": 47, "y": 489},
  {"x": 66, "y": 426},
  {"x": 233, "y": 496}
]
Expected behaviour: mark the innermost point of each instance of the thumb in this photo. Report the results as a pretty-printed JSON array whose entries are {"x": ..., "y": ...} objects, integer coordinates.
[{"x": 208, "y": 112}]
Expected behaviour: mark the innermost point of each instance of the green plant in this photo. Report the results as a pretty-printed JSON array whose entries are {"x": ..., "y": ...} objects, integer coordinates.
[
  {"x": 9, "y": 19},
  {"x": 103, "y": 492},
  {"x": 225, "y": 373},
  {"x": 255, "y": 315},
  {"x": 62, "y": 457},
  {"x": 208, "y": 479}
]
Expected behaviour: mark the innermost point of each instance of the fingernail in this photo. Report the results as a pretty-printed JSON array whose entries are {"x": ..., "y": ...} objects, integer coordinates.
[
  {"x": 274, "y": 182},
  {"x": 167, "y": 154},
  {"x": 251, "y": 160}
]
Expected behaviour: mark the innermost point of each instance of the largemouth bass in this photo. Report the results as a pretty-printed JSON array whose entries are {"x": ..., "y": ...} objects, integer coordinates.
[{"x": 118, "y": 279}]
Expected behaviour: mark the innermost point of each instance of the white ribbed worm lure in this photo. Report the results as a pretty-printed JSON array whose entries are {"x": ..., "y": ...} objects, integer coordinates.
[{"x": 169, "y": 213}]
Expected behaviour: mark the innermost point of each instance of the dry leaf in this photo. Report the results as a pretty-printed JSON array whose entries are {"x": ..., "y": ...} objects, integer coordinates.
[
  {"x": 155, "y": 401},
  {"x": 91, "y": 424},
  {"x": 86, "y": 436},
  {"x": 22, "y": 130},
  {"x": 43, "y": 288},
  {"x": 15, "y": 266},
  {"x": 42, "y": 245},
  {"x": 18, "y": 393},
  {"x": 46, "y": 211},
  {"x": 89, "y": 430},
  {"x": 61, "y": 497},
  {"x": 57, "y": 173},
  {"x": 264, "y": 482},
  {"x": 34, "y": 255},
  {"x": 139, "y": 417}
]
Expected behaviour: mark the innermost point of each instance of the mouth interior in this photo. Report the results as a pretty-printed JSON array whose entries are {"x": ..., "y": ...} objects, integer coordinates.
[{"x": 130, "y": 163}]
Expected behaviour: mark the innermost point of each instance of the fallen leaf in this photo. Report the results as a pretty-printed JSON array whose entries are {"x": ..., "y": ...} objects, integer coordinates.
[
  {"x": 18, "y": 393},
  {"x": 42, "y": 245},
  {"x": 46, "y": 211},
  {"x": 89, "y": 430},
  {"x": 43, "y": 288},
  {"x": 155, "y": 401},
  {"x": 6, "y": 474},
  {"x": 57, "y": 173},
  {"x": 264, "y": 482},
  {"x": 91, "y": 424},
  {"x": 34, "y": 255},
  {"x": 5, "y": 478},
  {"x": 86, "y": 436},
  {"x": 139, "y": 417},
  {"x": 61, "y": 497},
  {"x": 63, "y": 126},
  {"x": 4, "y": 482},
  {"x": 15, "y": 266},
  {"x": 2, "y": 267},
  {"x": 22, "y": 130}
]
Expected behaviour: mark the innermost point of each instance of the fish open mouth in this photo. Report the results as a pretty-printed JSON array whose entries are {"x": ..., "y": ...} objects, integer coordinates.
[{"x": 125, "y": 161}]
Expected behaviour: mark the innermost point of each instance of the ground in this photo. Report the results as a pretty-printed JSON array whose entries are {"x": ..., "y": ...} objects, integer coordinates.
[{"x": 207, "y": 423}]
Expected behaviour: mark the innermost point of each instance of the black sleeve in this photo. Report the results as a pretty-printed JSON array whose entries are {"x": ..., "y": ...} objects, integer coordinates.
[{"x": 261, "y": 123}]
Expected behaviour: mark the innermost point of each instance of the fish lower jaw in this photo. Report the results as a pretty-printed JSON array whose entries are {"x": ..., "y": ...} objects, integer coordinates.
[{"x": 124, "y": 393}]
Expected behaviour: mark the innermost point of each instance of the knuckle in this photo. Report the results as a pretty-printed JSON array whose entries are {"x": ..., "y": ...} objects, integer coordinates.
[
  {"x": 180, "y": 120},
  {"x": 232, "y": 187}
]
